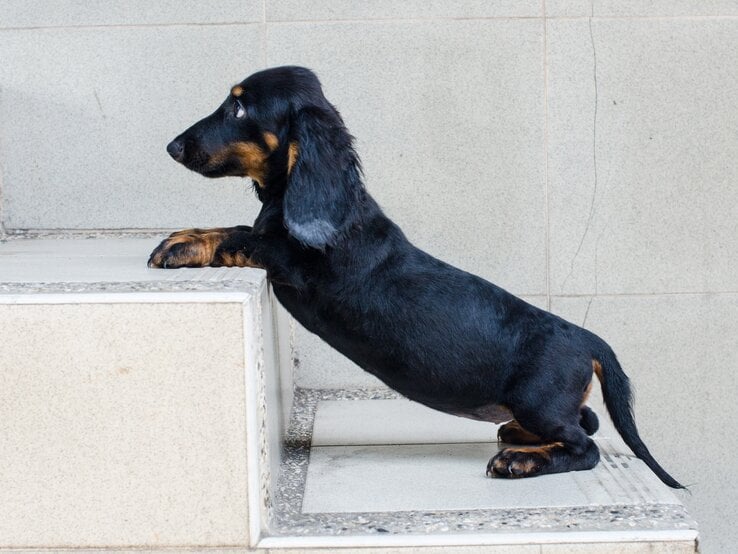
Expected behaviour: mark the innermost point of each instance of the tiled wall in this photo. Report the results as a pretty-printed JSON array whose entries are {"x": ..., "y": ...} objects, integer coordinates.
[{"x": 586, "y": 159}]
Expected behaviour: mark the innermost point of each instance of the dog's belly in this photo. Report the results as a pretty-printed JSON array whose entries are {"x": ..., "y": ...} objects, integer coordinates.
[
  {"x": 449, "y": 401},
  {"x": 493, "y": 413},
  {"x": 439, "y": 375}
]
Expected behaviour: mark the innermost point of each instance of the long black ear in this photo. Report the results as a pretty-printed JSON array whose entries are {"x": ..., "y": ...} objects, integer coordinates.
[{"x": 323, "y": 183}]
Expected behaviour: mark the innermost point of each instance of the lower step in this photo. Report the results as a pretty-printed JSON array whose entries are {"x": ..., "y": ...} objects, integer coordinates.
[{"x": 369, "y": 469}]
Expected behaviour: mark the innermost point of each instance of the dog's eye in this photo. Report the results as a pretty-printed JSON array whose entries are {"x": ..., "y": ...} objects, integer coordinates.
[{"x": 238, "y": 110}]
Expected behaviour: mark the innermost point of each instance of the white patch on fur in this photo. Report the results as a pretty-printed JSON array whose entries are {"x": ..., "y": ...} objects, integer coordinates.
[{"x": 317, "y": 233}]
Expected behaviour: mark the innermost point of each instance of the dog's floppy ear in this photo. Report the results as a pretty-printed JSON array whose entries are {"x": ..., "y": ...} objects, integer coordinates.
[{"x": 323, "y": 182}]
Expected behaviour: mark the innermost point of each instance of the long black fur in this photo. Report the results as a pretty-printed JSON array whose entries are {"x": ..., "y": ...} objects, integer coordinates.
[{"x": 438, "y": 335}]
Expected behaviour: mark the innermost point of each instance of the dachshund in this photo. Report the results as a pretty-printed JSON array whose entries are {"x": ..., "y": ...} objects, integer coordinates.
[{"x": 436, "y": 334}]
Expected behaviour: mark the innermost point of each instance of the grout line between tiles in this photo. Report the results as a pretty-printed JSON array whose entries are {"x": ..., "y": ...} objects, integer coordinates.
[
  {"x": 127, "y": 26},
  {"x": 546, "y": 191},
  {"x": 496, "y": 18},
  {"x": 349, "y": 20},
  {"x": 644, "y": 294},
  {"x": 264, "y": 34}
]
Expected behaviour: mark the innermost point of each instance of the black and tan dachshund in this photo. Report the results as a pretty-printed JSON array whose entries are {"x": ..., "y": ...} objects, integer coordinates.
[{"x": 438, "y": 335}]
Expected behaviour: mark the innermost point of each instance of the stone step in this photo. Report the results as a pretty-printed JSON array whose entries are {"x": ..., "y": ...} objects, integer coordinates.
[
  {"x": 370, "y": 469},
  {"x": 133, "y": 402},
  {"x": 150, "y": 409}
]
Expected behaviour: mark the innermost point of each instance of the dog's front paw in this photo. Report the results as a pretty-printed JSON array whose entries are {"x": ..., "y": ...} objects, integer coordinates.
[
  {"x": 193, "y": 248},
  {"x": 521, "y": 462}
]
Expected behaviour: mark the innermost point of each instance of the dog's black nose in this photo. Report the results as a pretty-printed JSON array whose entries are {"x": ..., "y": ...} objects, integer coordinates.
[{"x": 176, "y": 150}]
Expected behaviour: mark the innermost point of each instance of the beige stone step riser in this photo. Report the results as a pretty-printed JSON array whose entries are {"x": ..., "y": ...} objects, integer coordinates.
[{"x": 138, "y": 422}]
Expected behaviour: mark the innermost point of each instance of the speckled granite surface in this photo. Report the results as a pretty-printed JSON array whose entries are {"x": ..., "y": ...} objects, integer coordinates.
[
  {"x": 123, "y": 287},
  {"x": 63, "y": 234}
]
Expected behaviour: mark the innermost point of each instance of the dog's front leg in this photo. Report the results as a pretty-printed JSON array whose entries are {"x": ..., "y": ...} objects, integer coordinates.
[
  {"x": 279, "y": 257},
  {"x": 223, "y": 246}
]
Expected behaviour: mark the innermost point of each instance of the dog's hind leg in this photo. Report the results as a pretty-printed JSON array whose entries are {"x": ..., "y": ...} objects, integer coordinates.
[
  {"x": 564, "y": 447},
  {"x": 513, "y": 433},
  {"x": 588, "y": 420}
]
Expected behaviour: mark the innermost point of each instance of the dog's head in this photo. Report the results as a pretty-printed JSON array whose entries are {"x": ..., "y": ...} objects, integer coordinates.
[{"x": 277, "y": 128}]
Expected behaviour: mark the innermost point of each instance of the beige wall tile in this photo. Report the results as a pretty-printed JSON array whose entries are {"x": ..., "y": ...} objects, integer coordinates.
[
  {"x": 449, "y": 123},
  {"x": 660, "y": 214},
  {"x": 653, "y": 8},
  {"x": 112, "y": 436},
  {"x": 682, "y": 357},
  {"x": 640, "y": 8},
  {"x": 569, "y": 8},
  {"x": 87, "y": 115},
  {"x": 312, "y": 10},
  {"x": 451, "y": 163},
  {"x": 73, "y": 13}
]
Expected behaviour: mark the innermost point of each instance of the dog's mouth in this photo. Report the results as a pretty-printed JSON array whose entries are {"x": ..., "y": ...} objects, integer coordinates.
[{"x": 213, "y": 166}]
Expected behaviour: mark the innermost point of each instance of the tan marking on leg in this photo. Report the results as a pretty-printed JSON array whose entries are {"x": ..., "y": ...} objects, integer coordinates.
[
  {"x": 234, "y": 259},
  {"x": 522, "y": 462},
  {"x": 292, "y": 152},
  {"x": 198, "y": 231},
  {"x": 271, "y": 140},
  {"x": 520, "y": 469},
  {"x": 597, "y": 368},
  {"x": 501, "y": 465},
  {"x": 199, "y": 251},
  {"x": 543, "y": 450},
  {"x": 178, "y": 239},
  {"x": 513, "y": 433}
]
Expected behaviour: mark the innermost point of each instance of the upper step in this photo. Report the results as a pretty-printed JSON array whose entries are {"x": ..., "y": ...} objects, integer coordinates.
[
  {"x": 133, "y": 401},
  {"x": 59, "y": 264}
]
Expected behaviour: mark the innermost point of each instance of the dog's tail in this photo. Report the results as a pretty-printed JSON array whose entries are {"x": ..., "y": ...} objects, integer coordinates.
[{"x": 619, "y": 401}]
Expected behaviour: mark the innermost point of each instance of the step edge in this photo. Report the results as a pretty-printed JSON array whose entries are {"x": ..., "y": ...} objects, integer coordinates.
[
  {"x": 139, "y": 297},
  {"x": 485, "y": 539}
]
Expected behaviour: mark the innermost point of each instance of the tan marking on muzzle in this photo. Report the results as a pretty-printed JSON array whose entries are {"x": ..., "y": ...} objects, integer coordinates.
[
  {"x": 249, "y": 154},
  {"x": 253, "y": 160}
]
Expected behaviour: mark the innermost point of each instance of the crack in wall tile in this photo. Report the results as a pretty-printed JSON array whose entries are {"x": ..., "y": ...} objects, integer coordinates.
[{"x": 594, "y": 161}]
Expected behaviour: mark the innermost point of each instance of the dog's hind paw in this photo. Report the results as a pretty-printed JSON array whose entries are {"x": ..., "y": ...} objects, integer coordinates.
[{"x": 522, "y": 462}]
